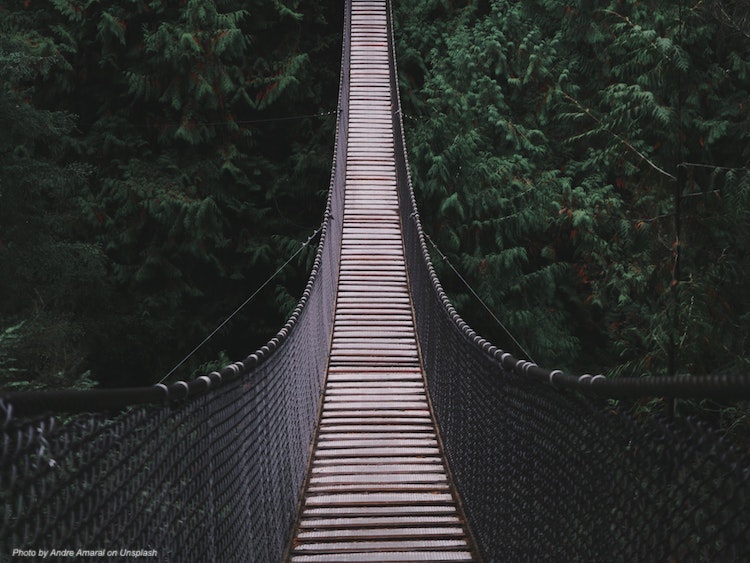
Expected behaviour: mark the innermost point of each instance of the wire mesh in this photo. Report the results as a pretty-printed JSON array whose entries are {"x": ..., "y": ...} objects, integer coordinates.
[
  {"x": 208, "y": 470},
  {"x": 213, "y": 479},
  {"x": 547, "y": 473}
]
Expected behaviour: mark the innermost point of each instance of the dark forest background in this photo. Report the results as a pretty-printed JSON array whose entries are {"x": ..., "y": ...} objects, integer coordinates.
[
  {"x": 583, "y": 164},
  {"x": 156, "y": 168}
]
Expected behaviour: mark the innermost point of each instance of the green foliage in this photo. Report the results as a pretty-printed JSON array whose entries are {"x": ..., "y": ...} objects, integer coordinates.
[
  {"x": 480, "y": 168},
  {"x": 47, "y": 274},
  {"x": 186, "y": 185},
  {"x": 586, "y": 165}
]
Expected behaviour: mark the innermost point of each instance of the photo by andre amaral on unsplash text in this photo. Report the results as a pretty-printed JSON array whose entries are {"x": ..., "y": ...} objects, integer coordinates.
[{"x": 44, "y": 553}]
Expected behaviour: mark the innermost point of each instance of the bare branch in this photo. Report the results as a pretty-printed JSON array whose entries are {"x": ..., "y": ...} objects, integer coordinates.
[{"x": 588, "y": 112}]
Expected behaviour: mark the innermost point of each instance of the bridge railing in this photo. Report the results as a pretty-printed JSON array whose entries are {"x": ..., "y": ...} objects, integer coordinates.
[
  {"x": 206, "y": 470},
  {"x": 547, "y": 468}
]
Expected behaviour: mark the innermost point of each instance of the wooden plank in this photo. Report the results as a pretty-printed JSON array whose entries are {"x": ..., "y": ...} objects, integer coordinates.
[
  {"x": 385, "y": 338},
  {"x": 382, "y": 406},
  {"x": 377, "y": 452},
  {"x": 336, "y": 388},
  {"x": 393, "y": 371},
  {"x": 374, "y": 360},
  {"x": 373, "y": 393},
  {"x": 371, "y": 487},
  {"x": 378, "y": 395},
  {"x": 320, "y": 545},
  {"x": 393, "y": 468},
  {"x": 384, "y": 533},
  {"x": 372, "y": 479},
  {"x": 372, "y": 376},
  {"x": 378, "y": 521},
  {"x": 339, "y": 419},
  {"x": 344, "y": 463},
  {"x": 382, "y": 510},
  {"x": 330, "y": 415},
  {"x": 344, "y": 351},
  {"x": 379, "y": 443},
  {"x": 375, "y": 333},
  {"x": 380, "y": 499},
  {"x": 378, "y": 489},
  {"x": 381, "y": 556}
]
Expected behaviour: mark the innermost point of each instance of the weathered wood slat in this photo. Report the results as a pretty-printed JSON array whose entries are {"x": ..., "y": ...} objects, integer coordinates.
[
  {"x": 359, "y": 547},
  {"x": 376, "y": 443},
  {"x": 379, "y": 478},
  {"x": 360, "y": 469},
  {"x": 415, "y": 510},
  {"x": 375, "y": 460},
  {"x": 361, "y": 419},
  {"x": 378, "y": 489},
  {"x": 399, "y": 499},
  {"x": 385, "y": 533},
  {"x": 382, "y": 556},
  {"x": 339, "y": 396},
  {"x": 378, "y": 521},
  {"x": 400, "y": 387},
  {"x": 381, "y": 487}
]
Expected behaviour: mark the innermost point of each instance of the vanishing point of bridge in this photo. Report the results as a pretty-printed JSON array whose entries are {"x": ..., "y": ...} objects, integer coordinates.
[
  {"x": 375, "y": 425},
  {"x": 378, "y": 488}
]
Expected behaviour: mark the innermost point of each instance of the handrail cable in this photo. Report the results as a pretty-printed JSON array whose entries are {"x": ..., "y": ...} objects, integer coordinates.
[
  {"x": 478, "y": 298},
  {"x": 303, "y": 245}
]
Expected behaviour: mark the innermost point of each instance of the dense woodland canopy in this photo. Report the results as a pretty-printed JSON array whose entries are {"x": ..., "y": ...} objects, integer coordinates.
[
  {"x": 155, "y": 170},
  {"x": 583, "y": 163}
]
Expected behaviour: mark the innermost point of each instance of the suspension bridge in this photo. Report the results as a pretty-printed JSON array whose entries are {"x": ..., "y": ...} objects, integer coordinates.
[{"x": 376, "y": 425}]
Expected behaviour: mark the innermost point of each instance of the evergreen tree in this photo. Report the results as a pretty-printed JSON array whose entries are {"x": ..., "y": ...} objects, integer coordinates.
[
  {"x": 627, "y": 122},
  {"x": 50, "y": 280},
  {"x": 656, "y": 99},
  {"x": 197, "y": 194},
  {"x": 483, "y": 175}
]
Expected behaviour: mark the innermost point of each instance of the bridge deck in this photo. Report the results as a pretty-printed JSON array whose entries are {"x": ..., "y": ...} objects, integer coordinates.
[{"x": 377, "y": 489}]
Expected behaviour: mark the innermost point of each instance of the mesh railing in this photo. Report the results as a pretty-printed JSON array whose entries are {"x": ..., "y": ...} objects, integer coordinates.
[
  {"x": 547, "y": 468},
  {"x": 208, "y": 470},
  {"x": 212, "y": 469},
  {"x": 215, "y": 478}
]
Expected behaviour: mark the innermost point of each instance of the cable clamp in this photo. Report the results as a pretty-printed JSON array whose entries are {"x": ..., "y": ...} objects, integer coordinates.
[
  {"x": 185, "y": 385},
  {"x": 552, "y": 375},
  {"x": 165, "y": 389},
  {"x": 502, "y": 358}
]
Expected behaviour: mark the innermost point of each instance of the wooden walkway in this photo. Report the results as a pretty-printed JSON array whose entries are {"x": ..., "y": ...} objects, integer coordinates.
[{"x": 377, "y": 489}]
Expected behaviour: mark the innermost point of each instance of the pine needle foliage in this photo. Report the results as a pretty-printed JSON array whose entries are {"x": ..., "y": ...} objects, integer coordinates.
[
  {"x": 48, "y": 274},
  {"x": 200, "y": 178},
  {"x": 586, "y": 163}
]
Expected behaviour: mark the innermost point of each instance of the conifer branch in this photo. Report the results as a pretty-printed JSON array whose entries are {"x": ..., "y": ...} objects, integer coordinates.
[
  {"x": 712, "y": 167},
  {"x": 732, "y": 21},
  {"x": 624, "y": 141},
  {"x": 632, "y": 26}
]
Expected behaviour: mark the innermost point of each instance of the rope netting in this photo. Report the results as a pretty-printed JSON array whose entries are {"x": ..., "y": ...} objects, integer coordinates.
[
  {"x": 547, "y": 468},
  {"x": 207, "y": 480},
  {"x": 206, "y": 470}
]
